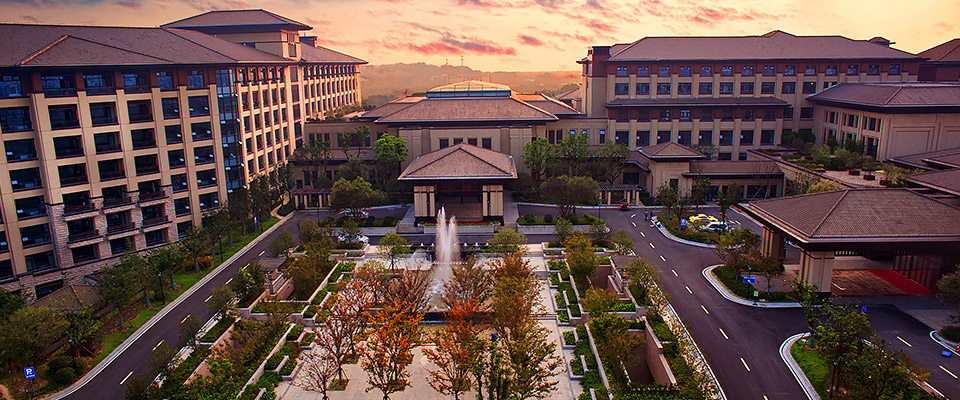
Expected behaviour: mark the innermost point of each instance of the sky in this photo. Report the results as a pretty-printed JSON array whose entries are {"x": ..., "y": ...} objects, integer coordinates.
[{"x": 527, "y": 35}]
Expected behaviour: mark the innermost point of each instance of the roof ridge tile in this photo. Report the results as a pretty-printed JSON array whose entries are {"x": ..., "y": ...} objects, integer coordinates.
[{"x": 43, "y": 50}]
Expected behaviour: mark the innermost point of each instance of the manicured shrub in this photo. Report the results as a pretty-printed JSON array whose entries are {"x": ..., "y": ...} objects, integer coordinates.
[
  {"x": 548, "y": 218},
  {"x": 569, "y": 338},
  {"x": 951, "y": 333}
]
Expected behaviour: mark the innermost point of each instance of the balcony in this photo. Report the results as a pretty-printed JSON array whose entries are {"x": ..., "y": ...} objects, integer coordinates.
[
  {"x": 147, "y": 196},
  {"x": 59, "y": 92},
  {"x": 155, "y": 221},
  {"x": 125, "y": 227},
  {"x": 123, "y": 199},
  {"x": 136, "y": 88},
  {"x": 100, "y": 90},
  {"x": 73, "y": 180},
  {"x": 81, "y": 236},
  {"x": 78, "y": 209},
  {"x": 64, "y": 123}
]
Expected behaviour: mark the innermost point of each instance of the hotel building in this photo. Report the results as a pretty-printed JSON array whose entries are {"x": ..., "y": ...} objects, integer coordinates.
[{"x": 117, "y": 139}]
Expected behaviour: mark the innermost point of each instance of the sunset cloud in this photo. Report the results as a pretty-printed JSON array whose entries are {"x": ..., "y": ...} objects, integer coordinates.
[{"x": 530, "y": 40}]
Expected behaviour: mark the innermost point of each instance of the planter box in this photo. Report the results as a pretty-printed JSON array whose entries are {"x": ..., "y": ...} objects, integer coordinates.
[
  {"x": 854, "y": 172},
  {"x": 884, "y": 182},
  {"x": 547, "y": 229},
  {"x": 377, "y": 230}
]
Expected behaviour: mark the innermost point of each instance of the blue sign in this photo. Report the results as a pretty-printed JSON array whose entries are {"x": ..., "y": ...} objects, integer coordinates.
[
  {"x": 750, "y": 279},
  {"x": 863, "y": 309},
  {"x": 683, "y": 222},
  {"x": 29, "y": 373}
]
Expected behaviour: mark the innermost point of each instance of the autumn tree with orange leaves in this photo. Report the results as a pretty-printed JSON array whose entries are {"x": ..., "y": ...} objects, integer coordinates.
[
  {"x": 456, "y": 352},
  {"x": 388, "y": 350}
]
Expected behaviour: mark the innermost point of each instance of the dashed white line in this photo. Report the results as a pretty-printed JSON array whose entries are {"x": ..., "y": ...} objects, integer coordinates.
[
  {"x": 904, "y": 341},
  {"x": 744, "y": 364},
  {"x": 664, "y": 259},
  {"x": 948, "y": 371},
  {"x": 634, "y": 224},
  {"x": 641, "y": 234},
  {"x": 651, "y": 245},
  {"x": 765, "y": 397},
  {"x": 723, "y": 333},
  {"x": 705, "y": 309},
  {"x": 675, "y": 272},
  {"x": 688, "y": 289}
]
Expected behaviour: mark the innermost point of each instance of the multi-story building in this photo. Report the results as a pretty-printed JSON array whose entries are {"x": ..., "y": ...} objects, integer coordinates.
[
  {"x": 727, "y": 95},
  {"x": 118, "y": 139},
  {"x": 942, "y": 62}
]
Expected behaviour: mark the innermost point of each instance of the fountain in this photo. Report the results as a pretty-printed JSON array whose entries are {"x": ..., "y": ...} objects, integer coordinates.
[{"x": 447, "y": 252}]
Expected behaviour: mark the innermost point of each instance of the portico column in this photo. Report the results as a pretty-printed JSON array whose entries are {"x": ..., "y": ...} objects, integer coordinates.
[
  {"x": 816, "y": 268},
  {"x": 771, "y": 244}
]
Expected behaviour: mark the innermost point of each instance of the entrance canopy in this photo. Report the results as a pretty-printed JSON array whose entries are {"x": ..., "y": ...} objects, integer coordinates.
[{"x": 461, "y": 161}]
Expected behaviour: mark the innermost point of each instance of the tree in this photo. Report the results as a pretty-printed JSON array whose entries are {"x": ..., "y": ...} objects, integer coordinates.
[
  {"x": 728, "y": 198},
  {"x": 567, "y": 192},
  {"x": 388, "y": 350},
  {"x": 538, "y": 155},
  {"x": 314, "y": 158},
  {"x": 345, "y": 321},
  {"x": 622, "y": 243},
  {"x": 260, "y": 199},
  {"x": 409, "y": 290},
  {"x": 823, "y": 185},
  {"x": 355, "y": 196},
  {"x": 239, "y": 207},
  {"x": 217, "y": 224},
  {"x": 118, "y": 285},
  {"x": 281, "y": 244},
  {"x": 248, "y": 283},
  {"x": 580, "y": 258},
  {"x": 597, "y": 301},
  {"x": 393, "y": 246},
  {"x": 188, "y": 330},
  {"x": 841, "y": 332},
  {"x": 599, "y": 232},
  {"x": 573, "y": 153},
  {"x": 469, "y": 283},
  {"x": 142, "y": 387},
  {"x": 734, "y": 248},
  {"x": 285, "y": 180},
  {"x": 28, "y": 332},
  {"x": 562, "y": 229},
  {"x": 674, "y": 202},
  {"x": 9, "y": 303},
  {"x": 515, "y": 297},
  {"x": 533, "y": 361},
  {"x": 167, "y": 259},
  {"x": 161, "y": 360},
  {"x": 507, "y": 240},
  {"x": 82, "y": 327},
  {"x": 222, "y": 299},
  {"x": 607, "y": 161},
  {"x": 699, "y": 192},
  {"x": 948, "y": 289},
  {"x": 454, "y": 353},
  {"x": 316, "y": 370},
  {"x": 769, "y": 267},
  {"x": 194, "y": 244},
  {"x": 309, "y": 231},
  {"x": 615, "y": 344},
  {"x": 390, "y": 151},
  {"x": 354, "y": 168}
]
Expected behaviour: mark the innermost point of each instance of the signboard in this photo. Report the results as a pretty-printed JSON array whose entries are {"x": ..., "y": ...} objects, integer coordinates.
[
  {"x": 750, "y": 279},
  {"x": 683, "y": 222},
  {"x": 29, "y": 373}
]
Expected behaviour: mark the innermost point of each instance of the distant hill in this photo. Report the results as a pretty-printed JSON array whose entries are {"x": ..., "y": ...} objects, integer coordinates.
[{"x": 382, "y": 83}]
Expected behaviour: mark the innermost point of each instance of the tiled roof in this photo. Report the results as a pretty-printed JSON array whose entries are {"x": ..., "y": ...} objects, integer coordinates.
[
  {"x": 322, "y": 54},
  {"x": 923, "y": 160},
  {"x": 547, "y": 103},
  {"x": 947, "y": 181},
  {"x": 461, "y": 161},
  {"x": 468, "y": 109},
  {"x": 391, "y": 107},
  {"x": 64, "y": 45},
  {"x": 743, "y": 168},
  {"x": 669, "y": 150},
  {"x": 771, "y": 46},
  {"x": 892, "y": 95},
  {"x": 698, "y": 101},
  {"x": 70, "y": 297},
  {"x": 237, "y": 17},
  {"x": 875, "y": 215},
  {"x": 570, "y": 94},
  {"x": 945, "y": 52}
]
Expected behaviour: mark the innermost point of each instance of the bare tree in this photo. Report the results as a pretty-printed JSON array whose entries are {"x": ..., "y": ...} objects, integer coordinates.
[
  {"x": 469, "y": 282},
  {"x": 317, "y": 368},
  {"x": 410, "y": 290}
]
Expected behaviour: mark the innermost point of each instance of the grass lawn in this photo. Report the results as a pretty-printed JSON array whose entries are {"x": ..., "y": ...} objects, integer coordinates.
[{"x": 814, "y": 366}]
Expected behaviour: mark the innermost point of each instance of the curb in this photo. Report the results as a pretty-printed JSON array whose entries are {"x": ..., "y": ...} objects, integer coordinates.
[
  {"x": 795, "y": 368},
  {"x": 952, "y": 347},
  {"x": 163, "y": 312},
  {"x": 708, "y": 274},
  {"x": 670, "y": 236}
]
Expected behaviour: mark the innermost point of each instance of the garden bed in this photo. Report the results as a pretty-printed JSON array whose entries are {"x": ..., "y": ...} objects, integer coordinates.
[
  {"x": 575, "y": 219},
  {"x": 735, "y": 285},
  {"x": 217, "y": 330},
  {"x": 813, "y": 364}
]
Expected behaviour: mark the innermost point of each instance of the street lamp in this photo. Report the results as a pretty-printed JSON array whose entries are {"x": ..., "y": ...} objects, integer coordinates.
[
  {"x": 833, "y": 378},
  {"x": 163, "y": 297}
]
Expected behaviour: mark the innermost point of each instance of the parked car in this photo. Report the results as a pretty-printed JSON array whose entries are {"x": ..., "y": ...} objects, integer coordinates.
[
  {"x": 716, "y": 227},
  {"x": 344, "y": 238},
  {"x": 703, "y": 218},
  {"x": 363, "y": 213},
  {"x": 624, "y": 207}
]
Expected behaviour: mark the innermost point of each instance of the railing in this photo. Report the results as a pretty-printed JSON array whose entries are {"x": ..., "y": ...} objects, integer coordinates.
[
  {"x": 93, "y": 91},
  {"x": 120, "y": 228},
  {"x": 155, "y": 221},
  {"x": 109, "y": 176},
  {"x": 136, "y": 88},
  {"x": 65, "y": 92},
  {"x": 144, "y": 144},
  {"x": 78, "y": 208},
  {"x": 119, "y": 201},
  {"x": 64, "y": 123},
  {"x": 76, "y": 237},
  {"x": 159, "y": 194},
  {"x": 73, "y": 180}
]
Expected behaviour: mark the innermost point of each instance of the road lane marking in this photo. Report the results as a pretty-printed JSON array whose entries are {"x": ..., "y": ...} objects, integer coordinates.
[
  {"x": 158, "y": 345},
  {"x": 708, "y": 312},
  {"x": 228, "y": 281},
  {"x": 723, "y": 333},
  {"x": 634, "y": 215},
  {"x": 208, "y": 298},
  {"x": 688, "y": 289},
  {"x": 651, "y": 245},
  {"x": 948, "y": 371},
  {"x": 131, "y": 373},
  {"x": 765, "y": 397},
  {"x": 185, "y": 319},
  {"x": 641, "y": 234},
  {"x": 664, "y": 259},
  {"x": 904, "y": 341},
  {"x": 674, "y": 272},
  {"x": 634, "y": 224},
  {"x": 744, "y": 364}
]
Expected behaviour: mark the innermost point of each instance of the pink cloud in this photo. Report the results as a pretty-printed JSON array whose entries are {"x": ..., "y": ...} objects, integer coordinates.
[{"x": 530, "y": 40}]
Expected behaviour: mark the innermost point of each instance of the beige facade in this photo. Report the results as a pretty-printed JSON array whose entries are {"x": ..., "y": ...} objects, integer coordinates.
[{"x": 888, "y": 135}]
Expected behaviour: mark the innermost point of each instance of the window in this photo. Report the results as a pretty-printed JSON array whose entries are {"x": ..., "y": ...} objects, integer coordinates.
[
  {"x": 35, "y": 235},
  {"x": 643, "y": 138},
  {"x": 175, "y": 158},
  {"x": 766, "y": 136},
  {"x": 15, "y": 119},
  {"x": 852, "y": 121},
  {"x": 620, "y": 88},
  {"x": 829, "y": 84},
  {"x": 685, "y": 88},
  {"x": 726, "y": 70},
  {"x": 810, "y": 70},
  {"x": 727, "y": 114},
  {"x": 621, "y": 71},
  {"x": 788, "y": 112},
  {"x": 806, "y": 112},
  {"x": 171, "y": 107},
  {"x": 199, "y": 106},
  {"x": 139, "y": 111},
  {"x": 705, "y": 138},
  {"x": 119, "y": 246},
  {"x": 111, "y": 169},
  {"x": 209, "y": 201},
  {"x": 706, "y": 70},
  {"x": 470, "y": 141},
  {"x": 664, "y": 70},
  {"x": 873, "y": 69},
  {"x": 10, "y": 86},
  {"x": 748, "y": 115},
  {"x": 894, "y": 69},
  {"x": 746, "y": 87},
  {"x": 685, "y": 115},
  {"x": 143, "y": 138},
  {"x": 788, "y": 88},
  {"x": 769, "y": 70},
  {"x": 706, "y": 88},
  {"x": 135, "y": 82},
  {"x": 725, "y": 156},
  {"x": 853, "y": 69},
  {"x": 767, "y": 87},
  {"x": 67, "y": 146},
  {"x": 98, "y": 83},
  {"x": 486, "y": 143},
  {"x": 622, "y": 115},
  {"x": 602, "y": 135},
  {"x": 203, "y": 155},
  {"x": 165, "y": 80},
  {"x": 195, "y": 80},
  {"x": 58, "y": 85},
  {"x": 769, "y": 114},
  {"x": 178, "y": 183},
  {"x": 20, "y": 150},
  {"x": 64, "y": 117},
  {"x": 746, "y": 137},
  {"x": 444, "y": 143},
  {"x": 663, "y": 88},
  {"x": 208, "y": 177},
  {"x": 831, "y": 70},
  {"x": 726, "y": 87},
  {"x": 726, "y": 138},
  {"x": 643, "y": 89},
  {"x": 684, "y": 137},
  {"x": 831, "y": 117},
  {"x": 643, "y": 71},
  {"x": 663, "y": 136},
  {"x": 201, "y": 131},
  {"x": 25, "y": 179},
  {"x": 747, "y": 70},
  {"x": 665, "y": 114},
  {"x": 789, "y": 70},
  {"x": 809, "y": 87},
  {"x": 622, "y": 137},
  {"x": 873, "y": 124},
  {"x": 684, "y": 70},
  {"x": 706, "y": 115},
  {"x": 643, "y": 115},
  {"x": 742, "y": 157},
  {"x": 30, "y": 207}
]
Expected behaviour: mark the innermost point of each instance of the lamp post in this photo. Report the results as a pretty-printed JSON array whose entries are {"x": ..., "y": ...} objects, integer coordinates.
[
  {"x": 833, "y": 378},
  {"x": 163, "y": 298}
]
